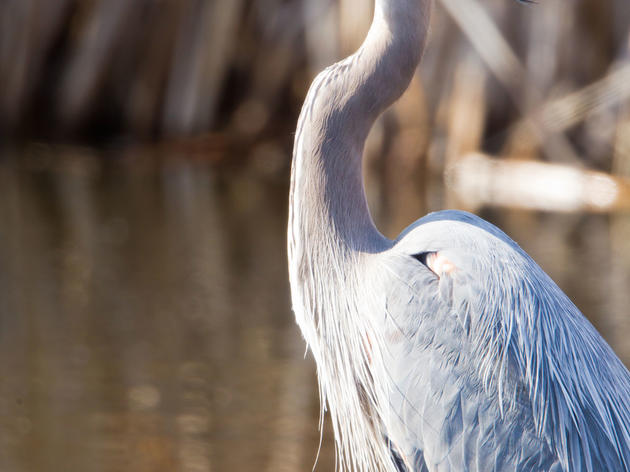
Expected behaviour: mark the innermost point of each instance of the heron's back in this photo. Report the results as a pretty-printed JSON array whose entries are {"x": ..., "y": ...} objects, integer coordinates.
[{"x": 492, "y": 367}]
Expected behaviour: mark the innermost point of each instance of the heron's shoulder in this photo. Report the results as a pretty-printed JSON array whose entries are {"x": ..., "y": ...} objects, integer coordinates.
[
  {"x": 464, "y": 237},
  {"x": 452, "y": 226}
]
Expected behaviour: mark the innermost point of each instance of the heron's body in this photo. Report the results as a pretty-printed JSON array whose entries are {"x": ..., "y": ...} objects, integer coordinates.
[{"x": 448, "y": 349}]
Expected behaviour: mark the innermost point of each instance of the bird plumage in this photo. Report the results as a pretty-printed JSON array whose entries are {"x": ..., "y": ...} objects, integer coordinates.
[
  {"x": 448, "y": 348},
  {"x": 496, "y": 346}
]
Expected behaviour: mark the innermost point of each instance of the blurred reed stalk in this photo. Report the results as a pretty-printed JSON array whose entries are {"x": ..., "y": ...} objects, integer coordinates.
[{"x": 533, "y": 82}]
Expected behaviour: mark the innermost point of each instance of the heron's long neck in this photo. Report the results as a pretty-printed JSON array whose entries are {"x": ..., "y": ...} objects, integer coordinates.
[
  {"x": 327, "y": 202},
  {"x": 329, "y": 223}
]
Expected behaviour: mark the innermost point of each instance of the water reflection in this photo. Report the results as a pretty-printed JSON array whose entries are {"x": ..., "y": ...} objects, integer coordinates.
[{"x": 145, "y": 322}]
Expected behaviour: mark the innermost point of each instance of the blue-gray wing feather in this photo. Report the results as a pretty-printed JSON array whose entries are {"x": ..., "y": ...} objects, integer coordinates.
[{"x": 493, "y": 367}]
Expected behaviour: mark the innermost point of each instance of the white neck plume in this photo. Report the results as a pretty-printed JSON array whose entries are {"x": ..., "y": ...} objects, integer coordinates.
[{"x": 330, "y": 227}]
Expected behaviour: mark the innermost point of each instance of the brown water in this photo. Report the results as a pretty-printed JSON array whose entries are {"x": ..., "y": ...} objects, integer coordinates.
[{"x": 145, "y": 321}]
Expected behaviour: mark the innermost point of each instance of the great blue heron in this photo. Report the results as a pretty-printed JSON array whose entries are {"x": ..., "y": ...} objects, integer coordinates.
[{"x": 448, "y": 348}]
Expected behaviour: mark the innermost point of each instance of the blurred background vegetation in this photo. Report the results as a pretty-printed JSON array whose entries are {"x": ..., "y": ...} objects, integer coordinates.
[{"x": 144, "y": 155}]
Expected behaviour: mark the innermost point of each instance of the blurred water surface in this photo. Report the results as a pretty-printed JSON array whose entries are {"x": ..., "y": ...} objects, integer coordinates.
[{"x": 145, "y": 321}]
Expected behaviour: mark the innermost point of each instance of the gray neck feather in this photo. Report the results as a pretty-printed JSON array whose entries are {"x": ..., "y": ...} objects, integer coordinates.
[
  {"x": 328, "y": 199},
  {"x": 331, "y": 231}
]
